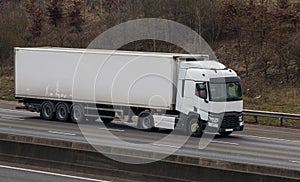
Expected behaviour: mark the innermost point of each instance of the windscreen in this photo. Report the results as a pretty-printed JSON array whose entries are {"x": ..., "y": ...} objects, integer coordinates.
[{"x": 230, "y": 91}]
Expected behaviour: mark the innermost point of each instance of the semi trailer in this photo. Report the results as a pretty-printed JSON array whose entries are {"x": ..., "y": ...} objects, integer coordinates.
[{"x": 151, "y": 90}]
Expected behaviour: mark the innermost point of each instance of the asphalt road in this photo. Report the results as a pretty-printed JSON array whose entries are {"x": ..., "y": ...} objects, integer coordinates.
[
  {"x": 261, "y": 145},
  {"x": 16, "y": 174}
]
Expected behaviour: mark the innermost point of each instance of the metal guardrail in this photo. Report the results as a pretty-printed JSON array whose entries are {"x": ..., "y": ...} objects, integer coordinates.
[{"x": 279, "y": 115}]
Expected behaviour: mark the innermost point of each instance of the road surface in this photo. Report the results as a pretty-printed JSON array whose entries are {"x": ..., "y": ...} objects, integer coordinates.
[
  {"x": 261, "y": 145},
  {"x": 17, "y": 174}
]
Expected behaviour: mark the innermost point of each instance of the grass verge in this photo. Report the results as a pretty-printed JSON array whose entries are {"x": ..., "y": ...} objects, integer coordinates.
[
  {"x": 7, "y": 90},
  {"x": 281, "y": 99}
]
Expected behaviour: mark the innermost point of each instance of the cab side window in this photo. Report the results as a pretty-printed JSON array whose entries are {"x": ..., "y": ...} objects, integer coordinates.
[{"x": 201, "y": 90}]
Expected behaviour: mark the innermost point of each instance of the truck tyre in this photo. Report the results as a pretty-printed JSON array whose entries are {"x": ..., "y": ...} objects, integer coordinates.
[
  {"x": 225, "y": 134},
  {"x": 194, "y": 127},
  {"x": 146, "y": 121},
  {"x": 62, "y": 112},
  {"x": 47, "y": 111},
  {"x": 77, "y": 114}
]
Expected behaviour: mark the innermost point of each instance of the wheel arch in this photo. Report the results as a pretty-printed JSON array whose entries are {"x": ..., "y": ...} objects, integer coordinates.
[{"x": 193, "y": 115}]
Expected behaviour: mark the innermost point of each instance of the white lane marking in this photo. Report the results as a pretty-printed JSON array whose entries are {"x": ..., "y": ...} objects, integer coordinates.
[
  {"x": 50, "y": 173},
  {"x": 24, "y": 112},
  {"x": 107, "y": 129},
  {"x": 298, "y": 162},
  {"x": 165, "y": 145},
  {"x": 223, "y": 142},
  {"x": 266, "y": 138},
  {"x": 11, "y": 118},
  {"x": 61, "y": 133}
]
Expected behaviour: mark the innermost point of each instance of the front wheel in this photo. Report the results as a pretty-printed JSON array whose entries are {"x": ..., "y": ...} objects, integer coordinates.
[{"x": 194, "y": 127}]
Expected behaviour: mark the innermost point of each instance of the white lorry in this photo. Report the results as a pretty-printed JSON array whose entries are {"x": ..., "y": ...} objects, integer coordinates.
[{"x": 151, "y": 90}]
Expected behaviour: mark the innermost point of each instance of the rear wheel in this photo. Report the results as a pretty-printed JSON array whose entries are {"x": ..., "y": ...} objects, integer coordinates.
[
  {"x": 62, "y": 112},
  {"x": 77, "y": 114},
  {"x": 194, "y": 127},
  {"x": 47, "y": 111},
  {"x": 225, "y": 134}
]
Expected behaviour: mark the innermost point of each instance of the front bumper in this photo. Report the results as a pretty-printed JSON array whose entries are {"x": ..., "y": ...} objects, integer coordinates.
[
  {"x": 213, "y": 129},
  {"x": 226, "y": 122},
  {"x": 240, "y": 128}
]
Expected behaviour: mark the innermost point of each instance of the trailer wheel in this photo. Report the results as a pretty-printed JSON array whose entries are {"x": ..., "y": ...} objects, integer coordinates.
[
  {"x": 194, "y": 127},
  {"x": 47, "y": 111},
  {"x": 77, "y": 114},
  {"x": 146, "y": 121},
  {"x": 225, "y": 134},
  {"x": 62, "y": 112}
]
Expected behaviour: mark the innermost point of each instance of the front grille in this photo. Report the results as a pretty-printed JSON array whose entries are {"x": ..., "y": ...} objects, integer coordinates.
[{"x": 230, "y": 122}]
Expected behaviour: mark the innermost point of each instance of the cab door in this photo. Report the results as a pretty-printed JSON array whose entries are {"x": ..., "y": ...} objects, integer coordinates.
[{"x": 201, "y": 104}]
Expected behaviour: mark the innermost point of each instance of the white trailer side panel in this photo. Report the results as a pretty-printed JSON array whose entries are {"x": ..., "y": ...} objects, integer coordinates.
[{"x": 95, "y": 76}]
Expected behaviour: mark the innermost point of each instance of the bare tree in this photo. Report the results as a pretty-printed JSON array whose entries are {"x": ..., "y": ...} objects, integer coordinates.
[
  {"x": 13, "y": 23},
  {"x": 285, "y": 14},
  {"x": 76, "y": 20},
  {"x": 36, "y": 18},
  {"x": 55, "y": 11}
]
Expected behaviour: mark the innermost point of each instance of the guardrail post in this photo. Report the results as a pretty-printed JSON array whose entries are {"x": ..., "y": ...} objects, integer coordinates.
[
  {"x": 255, "y": 119},
  {"x": 281, "y": 121}
]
